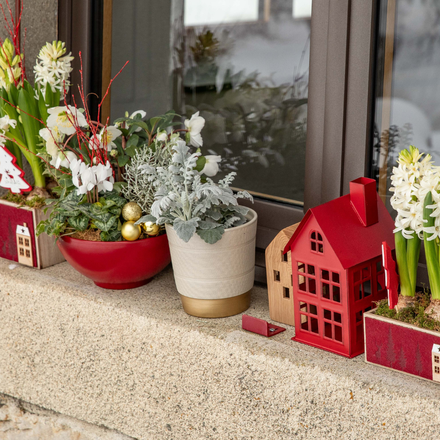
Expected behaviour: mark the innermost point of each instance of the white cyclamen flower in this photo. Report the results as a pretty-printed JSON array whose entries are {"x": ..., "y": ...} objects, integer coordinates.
[
  {"x": 195, "y": 126},
  {"x": 104, "y": 176},
  {"x": 65, "y": 118},
  {"x": 108, "y": 135},
  {"x": 63, "y": 159},
  {"x": 211, "y": 166},
  {"x": 85, "y": 177}
]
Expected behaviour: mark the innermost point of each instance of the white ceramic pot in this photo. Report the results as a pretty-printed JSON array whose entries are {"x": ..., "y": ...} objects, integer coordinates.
[{"x": 214, "y": 280}]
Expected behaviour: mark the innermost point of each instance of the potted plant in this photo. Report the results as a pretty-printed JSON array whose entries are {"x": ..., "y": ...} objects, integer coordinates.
[
  {"x": 102, "y": 192},
  {"x": 22, "y": 108},
  {"x": 211, "y": 237},
  {"x": 404, "y": 337}
]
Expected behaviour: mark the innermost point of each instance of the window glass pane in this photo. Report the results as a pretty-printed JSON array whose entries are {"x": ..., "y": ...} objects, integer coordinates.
[
  {"x": 202, "y": 12},
  {"x": 407, "y": 84},
  {"x": 244, "y": 65}
]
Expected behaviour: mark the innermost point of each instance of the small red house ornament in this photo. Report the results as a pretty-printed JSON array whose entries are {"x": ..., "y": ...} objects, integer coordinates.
[{"x": 336, "y": 254}]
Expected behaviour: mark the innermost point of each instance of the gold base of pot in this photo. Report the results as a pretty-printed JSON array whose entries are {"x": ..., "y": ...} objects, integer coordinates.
[{"x": 216, "y": 308}]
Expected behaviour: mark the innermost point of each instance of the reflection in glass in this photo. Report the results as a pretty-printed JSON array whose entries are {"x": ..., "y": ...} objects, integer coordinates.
[
  {"x": 407, "y": 84},
  {"x": 242, "y": 64}
]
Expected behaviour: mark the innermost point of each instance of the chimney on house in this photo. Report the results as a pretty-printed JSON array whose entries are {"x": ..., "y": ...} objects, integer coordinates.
[{"x": 363, "y": 199}]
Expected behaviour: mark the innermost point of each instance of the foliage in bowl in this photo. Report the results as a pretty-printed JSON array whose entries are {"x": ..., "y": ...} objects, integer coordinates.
[{"x": 190, "y": 203}]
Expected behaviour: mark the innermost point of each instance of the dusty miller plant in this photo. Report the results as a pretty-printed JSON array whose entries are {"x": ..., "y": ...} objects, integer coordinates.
[
  {"x": 190, "y": 205},
  {"x": 140, "y": 188}
]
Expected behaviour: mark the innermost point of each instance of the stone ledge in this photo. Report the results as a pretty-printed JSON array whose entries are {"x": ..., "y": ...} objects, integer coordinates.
[{"x": 134, "y": 362}]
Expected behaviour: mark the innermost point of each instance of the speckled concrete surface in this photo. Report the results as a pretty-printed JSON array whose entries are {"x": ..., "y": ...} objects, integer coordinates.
[
  {"x": 22, "y": 421},
  {"x": 134, "y": 362}
]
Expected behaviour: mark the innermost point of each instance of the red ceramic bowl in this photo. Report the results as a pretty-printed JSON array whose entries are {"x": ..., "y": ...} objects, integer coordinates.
[{"x": 117, "y": 265}]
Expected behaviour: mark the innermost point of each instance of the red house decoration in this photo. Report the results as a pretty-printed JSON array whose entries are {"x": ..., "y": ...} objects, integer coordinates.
[{"x": 336, "y": 254}]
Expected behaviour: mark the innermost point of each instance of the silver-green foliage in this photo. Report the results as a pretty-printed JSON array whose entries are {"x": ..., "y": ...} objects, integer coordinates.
[
  {"x": 140, "y": 188},
  {"x": 191, "y": 205}
]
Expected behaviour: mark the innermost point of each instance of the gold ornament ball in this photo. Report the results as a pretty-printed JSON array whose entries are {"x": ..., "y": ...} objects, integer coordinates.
[
  {"x": 130, "y": 231},
  {"x": 151, "y": 229},
  {"x": 131, "y": 212}
]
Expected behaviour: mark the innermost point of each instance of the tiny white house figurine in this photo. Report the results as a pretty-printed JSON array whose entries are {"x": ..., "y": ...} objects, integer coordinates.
[
  {"x": 24, "y": 245},
  {"x": 436, "y": 362}
]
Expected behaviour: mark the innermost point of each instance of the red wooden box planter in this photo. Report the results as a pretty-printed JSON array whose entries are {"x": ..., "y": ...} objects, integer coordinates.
[
  {"x": 41, "y": 252},
  {"x": 402, "y": 347}
]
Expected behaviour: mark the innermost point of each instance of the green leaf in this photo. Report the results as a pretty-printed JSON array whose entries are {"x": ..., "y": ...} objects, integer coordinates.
[
  {"x": 111, "y": 236},
  {"x": 211, "y": 236},
  {"x": 201, "y": 161},
  {"x": 106, "y": 223},
  {"x": 133, "y": 141},
  {"x": 185, "y": 229},
  {"x": 29, "y": 112},
  {"x": 42, "y": 107},
  {"x": 80, "y": 223},
  {"x": 123, "y": 160}
]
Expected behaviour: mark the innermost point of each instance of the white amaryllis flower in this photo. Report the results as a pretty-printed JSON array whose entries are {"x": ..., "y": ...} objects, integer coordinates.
[
  {"x": 108, "y": 135},
  {"x": 195, "y": 126},
  {"x": 52, "y": 68},
  {"x": 211, "y": 166},
  {"x": 65, "y": 118},
  {"x": 7, "y": 122},
  {"x": 53, "y": 138}
]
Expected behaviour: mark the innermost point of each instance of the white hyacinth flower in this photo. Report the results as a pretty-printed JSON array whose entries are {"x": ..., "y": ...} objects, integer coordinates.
[
  {"x": 195, "y": 126},
  {"x": 52, "y": 68}
]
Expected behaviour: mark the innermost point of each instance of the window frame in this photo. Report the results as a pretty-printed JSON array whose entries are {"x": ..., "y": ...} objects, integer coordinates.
[{"x": 339, "y": 108}]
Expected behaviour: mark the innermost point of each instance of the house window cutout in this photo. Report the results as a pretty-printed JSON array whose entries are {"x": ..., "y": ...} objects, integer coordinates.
[
  {"x": 276, "y": 275},
  {"x": 286, "y": 292},
  {"x": 20, "y": 241},
  {"x": 333, "y": 325},
  {"x": 309, "y": 317},
  {"x": 437, "y": 359},
  {"x": 316, "y": 243},
  {"x": 284, "y": 257}
]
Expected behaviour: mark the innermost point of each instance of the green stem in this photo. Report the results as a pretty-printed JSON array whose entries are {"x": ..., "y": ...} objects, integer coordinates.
[
  {"x": 412, "y": 259},
  {"x": 431, "y": 250},
  {"x": 34, "y": 162},
  {"x": 402, "y": 264}
]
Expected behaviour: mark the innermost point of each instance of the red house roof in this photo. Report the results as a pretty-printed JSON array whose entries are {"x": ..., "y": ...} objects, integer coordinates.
[{"x": 351, "y": 240}]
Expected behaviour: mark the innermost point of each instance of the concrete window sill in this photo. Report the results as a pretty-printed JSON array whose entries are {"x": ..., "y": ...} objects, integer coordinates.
[{"x": 133, "y": 361}]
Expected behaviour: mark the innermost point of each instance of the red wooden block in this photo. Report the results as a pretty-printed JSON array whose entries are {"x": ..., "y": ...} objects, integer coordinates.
[
  {"x": 259, "y": 326},
  {"x": 391, "y": 277}
]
